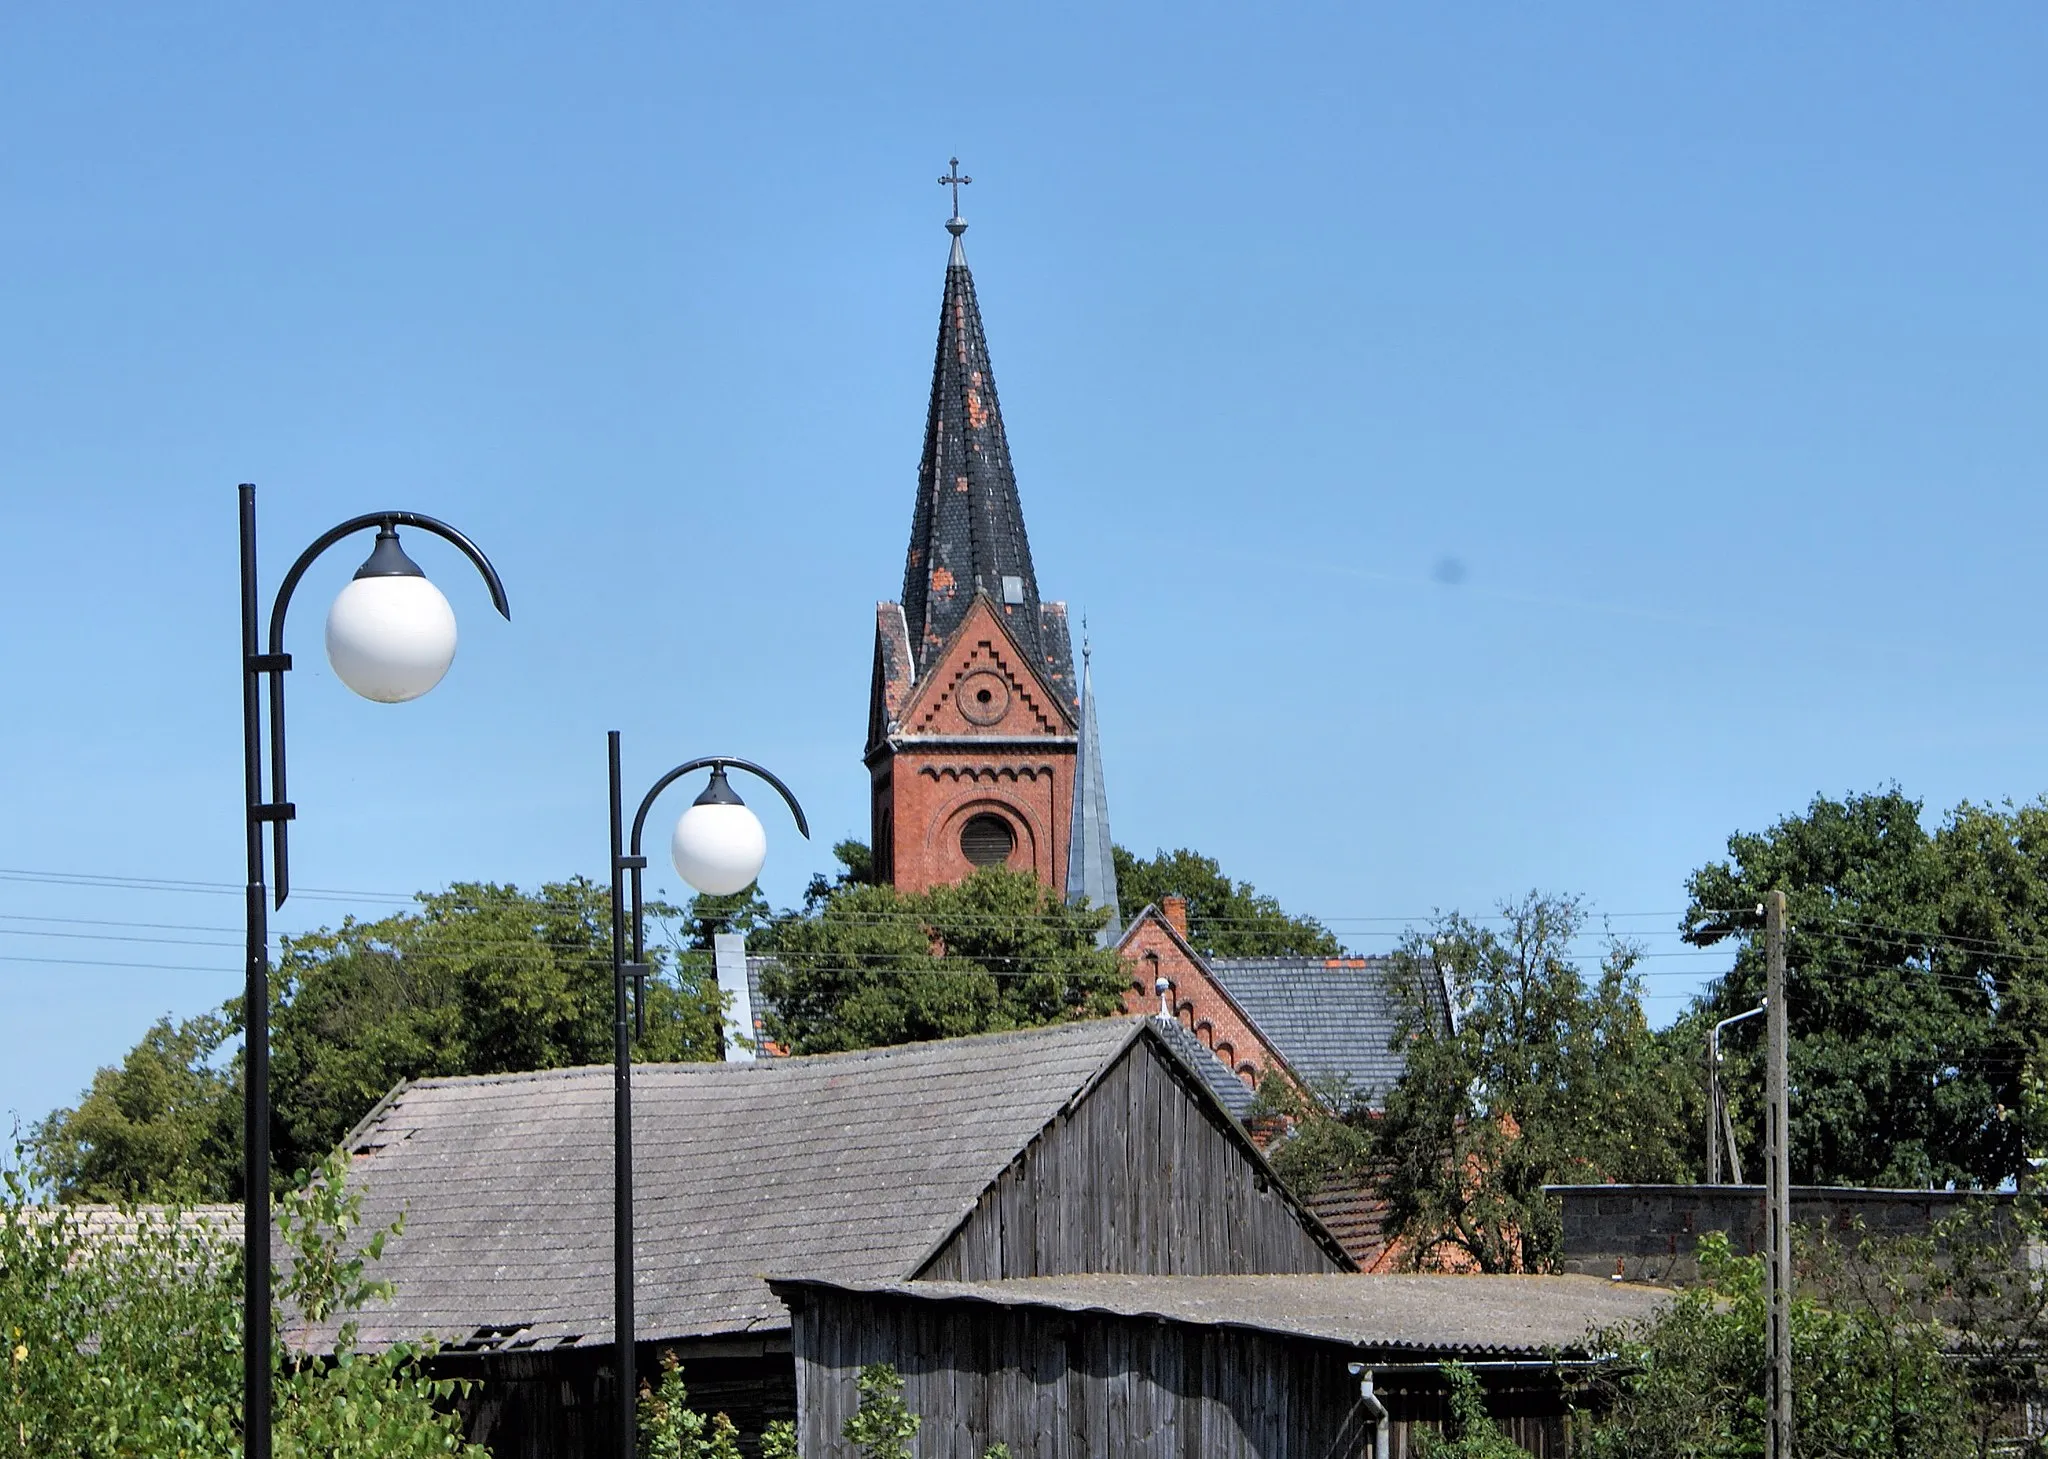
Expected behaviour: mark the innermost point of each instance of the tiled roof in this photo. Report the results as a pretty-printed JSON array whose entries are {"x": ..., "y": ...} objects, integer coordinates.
[
  {"x": 1332, "y": 1019},
  {"x": 1477, "y": 1316},
  {"x": 855, "y": 1164},
  {"x": 1357, "y": 1216}
]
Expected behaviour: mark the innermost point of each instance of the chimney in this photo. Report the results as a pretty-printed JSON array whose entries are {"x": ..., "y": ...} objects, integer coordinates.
[{"x": 1175, "y": 911}]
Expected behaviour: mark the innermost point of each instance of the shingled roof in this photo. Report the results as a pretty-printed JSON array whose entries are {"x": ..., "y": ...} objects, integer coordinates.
[
  {"x": 1332, "y": 1019},
  {"x": 858, "y": 1165}
]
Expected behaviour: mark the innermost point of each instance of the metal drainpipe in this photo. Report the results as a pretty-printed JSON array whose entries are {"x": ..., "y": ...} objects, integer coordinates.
[{"x": 1374, "y": 1410}]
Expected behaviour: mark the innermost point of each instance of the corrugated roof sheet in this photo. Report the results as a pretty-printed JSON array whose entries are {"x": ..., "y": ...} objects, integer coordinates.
[
  {"x": 1501, "y": 1317},
  {"x": 853, "y": 1164},
  {"x": 1332, "y": 1019}
]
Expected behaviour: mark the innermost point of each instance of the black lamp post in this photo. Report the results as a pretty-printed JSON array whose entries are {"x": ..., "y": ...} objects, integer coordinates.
[
  {"x": 718, "y": 848},
  {"x": 390, "y": 637}
]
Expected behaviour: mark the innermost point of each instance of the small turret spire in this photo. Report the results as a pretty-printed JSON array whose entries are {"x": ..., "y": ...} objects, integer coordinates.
[{"x": 1091, "y": 863}]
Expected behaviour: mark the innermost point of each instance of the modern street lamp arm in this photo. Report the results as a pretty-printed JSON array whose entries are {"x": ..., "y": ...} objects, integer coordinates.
[
  {"x": 382, "y": 519},
  {"x": 714, "y": 762},
  {"x": 638, "y": 861},
  {"x": 276, "y": 661}
]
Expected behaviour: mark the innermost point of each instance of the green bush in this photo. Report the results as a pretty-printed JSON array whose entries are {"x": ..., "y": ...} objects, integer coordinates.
[
  {"x": 124, "y": 1337},
  {"x": 671, "y": 1429},
  {"x": 1471, "y": 1434}
]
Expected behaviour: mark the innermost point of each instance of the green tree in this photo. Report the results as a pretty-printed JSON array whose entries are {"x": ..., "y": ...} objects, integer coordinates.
[
  {"x": 481, "y": 979},
  {"x": 1917, "y": 972},
  {"x": 166, "y": 1123},
  {"x": 1225, "y": 918},
  {"x": 1872, "y": 1374},
  {"x": 875, "y": 966},
  {"x": 1549, "y": 1077},
  {"x": 124, "y": 1343},
  {"x": 478, "y": 979},
  {"x": 1330, "y": 1133}
]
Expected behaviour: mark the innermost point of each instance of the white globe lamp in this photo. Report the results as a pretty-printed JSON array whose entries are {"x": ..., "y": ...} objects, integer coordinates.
[
  {"x": 719, "y": 846},
  {"x": 390, "y": 633}
]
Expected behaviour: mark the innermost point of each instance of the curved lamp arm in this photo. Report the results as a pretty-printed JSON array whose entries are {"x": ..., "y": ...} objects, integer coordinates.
[
  {"x": 382, "y": 520},
  {"x": 638, "y": 862},
  {"x": 277, "y": 661}
]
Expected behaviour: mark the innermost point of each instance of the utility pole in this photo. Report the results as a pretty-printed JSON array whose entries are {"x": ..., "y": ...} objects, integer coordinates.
[{"x": 1777, "y": 1190}]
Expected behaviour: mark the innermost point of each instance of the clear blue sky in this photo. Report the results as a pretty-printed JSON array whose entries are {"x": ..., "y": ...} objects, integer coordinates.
[{"x": 1707, "y": 342}]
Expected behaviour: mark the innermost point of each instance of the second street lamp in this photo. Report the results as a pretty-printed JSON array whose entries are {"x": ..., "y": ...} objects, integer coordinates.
[
  {"x": 390, "y": 637},
  {"x": 719, "y": 849}
]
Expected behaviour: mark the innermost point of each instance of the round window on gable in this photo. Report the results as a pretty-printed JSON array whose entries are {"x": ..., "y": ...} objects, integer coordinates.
[{"x": 987, "y": 840}]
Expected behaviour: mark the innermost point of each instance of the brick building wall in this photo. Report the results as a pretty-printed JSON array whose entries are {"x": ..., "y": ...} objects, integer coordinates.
[{"x": 1156, "y": 946}]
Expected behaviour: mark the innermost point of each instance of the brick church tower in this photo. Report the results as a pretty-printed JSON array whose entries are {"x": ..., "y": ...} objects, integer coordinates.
[{"x": 974, "y": 714}]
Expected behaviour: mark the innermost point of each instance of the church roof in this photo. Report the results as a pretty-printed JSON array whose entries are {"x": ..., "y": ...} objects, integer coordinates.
[
  {"x": 1336, "y": 1020},
  {"x": 967, "y": 534}
]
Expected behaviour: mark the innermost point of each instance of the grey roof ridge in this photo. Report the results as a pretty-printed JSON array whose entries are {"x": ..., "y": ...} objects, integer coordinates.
[
  {"x": 1151, "y": 909},
  {"x": 1019, "y": 1292},
  {"x": 1024, "y": 656},
  {"x": 713, "y": 1067},
  {"x": 382, "y": 1107}
]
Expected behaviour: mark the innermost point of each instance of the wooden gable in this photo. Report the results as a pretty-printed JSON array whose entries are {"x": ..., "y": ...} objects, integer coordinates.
[{"x": 1142, "y": 1174}]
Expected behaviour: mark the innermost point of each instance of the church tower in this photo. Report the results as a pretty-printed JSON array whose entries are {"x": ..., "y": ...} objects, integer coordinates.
[{"x": 973, "y": 713}]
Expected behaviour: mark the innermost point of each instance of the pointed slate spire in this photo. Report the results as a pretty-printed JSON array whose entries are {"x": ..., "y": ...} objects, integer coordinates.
[
  {"x": 1091, "y": 865},
  {"x": 967, "y": 535}
]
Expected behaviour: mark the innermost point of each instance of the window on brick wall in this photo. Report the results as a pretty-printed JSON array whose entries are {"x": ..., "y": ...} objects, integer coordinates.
[{"x": 987, "y": 840}]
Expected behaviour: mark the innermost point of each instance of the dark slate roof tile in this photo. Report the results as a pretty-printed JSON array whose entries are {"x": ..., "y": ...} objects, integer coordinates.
[{"x": 1335, "y": 1020}]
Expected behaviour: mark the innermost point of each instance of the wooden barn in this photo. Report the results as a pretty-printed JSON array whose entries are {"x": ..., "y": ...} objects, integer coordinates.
[
  {"x": 1086, "y": 1147},
  {"x": 1225, "y": 1367}
]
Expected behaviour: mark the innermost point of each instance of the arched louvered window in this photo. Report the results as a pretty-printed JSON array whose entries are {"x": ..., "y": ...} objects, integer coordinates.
[{"x": 987, "y": 840}]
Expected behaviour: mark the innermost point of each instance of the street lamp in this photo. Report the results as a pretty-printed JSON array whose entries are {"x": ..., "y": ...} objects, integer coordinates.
[
  {"x": 718, "y": 848},
  {"x": 390, "y": 637}
]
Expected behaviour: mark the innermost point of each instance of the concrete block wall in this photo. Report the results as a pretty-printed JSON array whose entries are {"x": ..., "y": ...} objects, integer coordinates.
[{"x": 1650, "y": 1233}]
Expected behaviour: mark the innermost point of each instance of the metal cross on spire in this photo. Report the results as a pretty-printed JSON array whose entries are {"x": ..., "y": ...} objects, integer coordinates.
[{"x": 954, "y": 180}]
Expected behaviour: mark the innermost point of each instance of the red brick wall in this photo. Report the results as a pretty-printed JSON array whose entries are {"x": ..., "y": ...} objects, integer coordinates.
[
  {"x": 1150, "y": 951},
  {"x": 979, "y": 734},
  {"x": 929, "y": 795}
]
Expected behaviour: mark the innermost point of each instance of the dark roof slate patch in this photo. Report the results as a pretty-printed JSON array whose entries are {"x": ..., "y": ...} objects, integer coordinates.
[{"x": 1333, "y": 1019}]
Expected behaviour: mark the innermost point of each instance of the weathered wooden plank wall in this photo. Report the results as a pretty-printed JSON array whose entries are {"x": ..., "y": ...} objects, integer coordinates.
[
  {"x": 1141, "y": 1178},
  {"x": 1055, "y": 1385}
]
